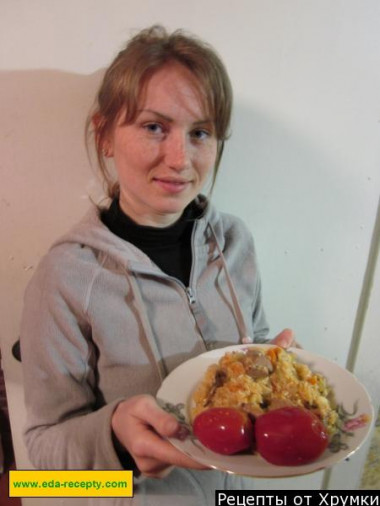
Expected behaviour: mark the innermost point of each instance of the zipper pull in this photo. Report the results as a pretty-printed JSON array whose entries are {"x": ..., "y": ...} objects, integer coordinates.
[{"x": 190, "y": 296}]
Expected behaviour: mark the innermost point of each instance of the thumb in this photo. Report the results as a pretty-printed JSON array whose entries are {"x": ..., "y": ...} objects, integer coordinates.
[
  {"x": 167, "y": 425},
  {"x": 285, "y": 339},
  {"x": 160, "y": 420}
]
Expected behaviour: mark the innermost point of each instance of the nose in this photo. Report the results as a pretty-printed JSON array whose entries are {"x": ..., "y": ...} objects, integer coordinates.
[{"x": 177, "y": 151}]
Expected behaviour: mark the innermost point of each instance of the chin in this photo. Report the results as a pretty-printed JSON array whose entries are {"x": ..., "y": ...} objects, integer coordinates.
[{"x": 175, "y": 206}]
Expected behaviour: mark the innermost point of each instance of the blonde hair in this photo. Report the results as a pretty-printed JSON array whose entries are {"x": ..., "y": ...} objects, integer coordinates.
[{"x": 124, "y": 81}]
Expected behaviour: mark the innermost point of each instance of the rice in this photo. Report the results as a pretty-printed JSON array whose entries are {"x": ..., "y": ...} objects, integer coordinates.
[{"x": 257, "y": 380}]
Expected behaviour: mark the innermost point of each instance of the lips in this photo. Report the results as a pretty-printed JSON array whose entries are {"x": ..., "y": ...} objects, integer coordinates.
[{"x": 172, "y": 185}]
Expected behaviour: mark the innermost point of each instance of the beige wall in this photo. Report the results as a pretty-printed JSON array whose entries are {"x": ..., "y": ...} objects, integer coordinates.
[{"x": 302, "y": 166}]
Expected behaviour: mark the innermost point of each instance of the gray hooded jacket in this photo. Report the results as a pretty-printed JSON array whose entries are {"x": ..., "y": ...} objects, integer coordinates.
[{"x": 102, "y": 322}]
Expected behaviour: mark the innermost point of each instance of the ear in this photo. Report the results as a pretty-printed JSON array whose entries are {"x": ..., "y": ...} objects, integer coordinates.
[{"x": 102, "y": 140}]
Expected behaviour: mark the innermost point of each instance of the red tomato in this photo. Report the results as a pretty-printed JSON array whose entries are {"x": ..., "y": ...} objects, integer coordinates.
[
  {"x": 290, "y": 436},
  {"x": 224, "y": 430}
]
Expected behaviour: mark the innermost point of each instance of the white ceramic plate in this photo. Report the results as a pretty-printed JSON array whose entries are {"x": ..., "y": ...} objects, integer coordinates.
[{"x": 357, "y": 415}]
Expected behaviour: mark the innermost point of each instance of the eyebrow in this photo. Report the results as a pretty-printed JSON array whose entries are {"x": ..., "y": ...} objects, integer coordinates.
[{"x": 170, "y": 120}]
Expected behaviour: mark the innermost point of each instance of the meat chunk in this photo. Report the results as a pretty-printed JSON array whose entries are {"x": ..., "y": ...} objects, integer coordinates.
[{"x": 257, "y": 364}]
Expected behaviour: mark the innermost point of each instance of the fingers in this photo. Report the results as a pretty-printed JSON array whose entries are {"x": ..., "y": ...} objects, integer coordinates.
[
  {"x": 150, "y": 448},
  {"x": 285, "y": 339},
  {"x": 162, "y": 422},
  {"x": 142, "y": 427},
  {"x": 160, "y": 474}
]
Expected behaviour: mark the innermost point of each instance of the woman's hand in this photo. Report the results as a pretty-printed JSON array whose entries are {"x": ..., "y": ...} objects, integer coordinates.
[
  {"x": 141, "y": 426},
  {"x": 285, "y": 339}
]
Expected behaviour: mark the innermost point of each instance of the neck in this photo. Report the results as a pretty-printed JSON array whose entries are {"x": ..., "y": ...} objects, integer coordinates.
[{"x": 149, "y": 220}]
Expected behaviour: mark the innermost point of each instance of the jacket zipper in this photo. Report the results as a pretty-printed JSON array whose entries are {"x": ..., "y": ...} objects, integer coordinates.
[
  {"x": 190, "y": 296},
  {"x": 187, "y": 289}
]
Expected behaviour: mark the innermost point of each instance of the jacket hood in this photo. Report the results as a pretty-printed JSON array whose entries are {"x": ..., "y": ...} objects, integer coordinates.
[{"x": 90, "y": 231}]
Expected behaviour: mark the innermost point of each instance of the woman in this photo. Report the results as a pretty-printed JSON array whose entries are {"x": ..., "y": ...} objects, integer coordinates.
[{"x": 137, "y": 288}]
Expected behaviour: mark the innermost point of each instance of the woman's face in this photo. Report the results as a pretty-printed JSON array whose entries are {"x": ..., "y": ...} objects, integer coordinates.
[{"x": 164, "y": 157}]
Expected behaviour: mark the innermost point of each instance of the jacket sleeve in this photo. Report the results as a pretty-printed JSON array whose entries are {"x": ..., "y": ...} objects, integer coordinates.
[{"x": 66, "y": 428}]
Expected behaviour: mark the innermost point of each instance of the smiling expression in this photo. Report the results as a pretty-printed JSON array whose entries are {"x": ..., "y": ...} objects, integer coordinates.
[{"x": 164, "y": 156}]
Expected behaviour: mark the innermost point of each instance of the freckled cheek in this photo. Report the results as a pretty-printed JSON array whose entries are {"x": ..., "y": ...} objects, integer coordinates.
[
  {"x": 209, "y": 161},
  {"x": 135, "y": 158},
  {"x": 146, "y": 154},
  {"x": 205, "y": 170}
]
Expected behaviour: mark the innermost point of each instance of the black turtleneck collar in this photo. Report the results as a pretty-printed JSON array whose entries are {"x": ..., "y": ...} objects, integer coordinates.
[{"x": 169, "y": 247}]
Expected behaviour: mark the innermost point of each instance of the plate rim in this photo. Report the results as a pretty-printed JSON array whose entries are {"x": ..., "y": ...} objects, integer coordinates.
[{"x": 281, "y": 471}]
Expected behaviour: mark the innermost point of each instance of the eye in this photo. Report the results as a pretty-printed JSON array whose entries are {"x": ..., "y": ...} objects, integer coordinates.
[
  {"x": 153, "y": 128},
  {"x": 200, "y": 134}
]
